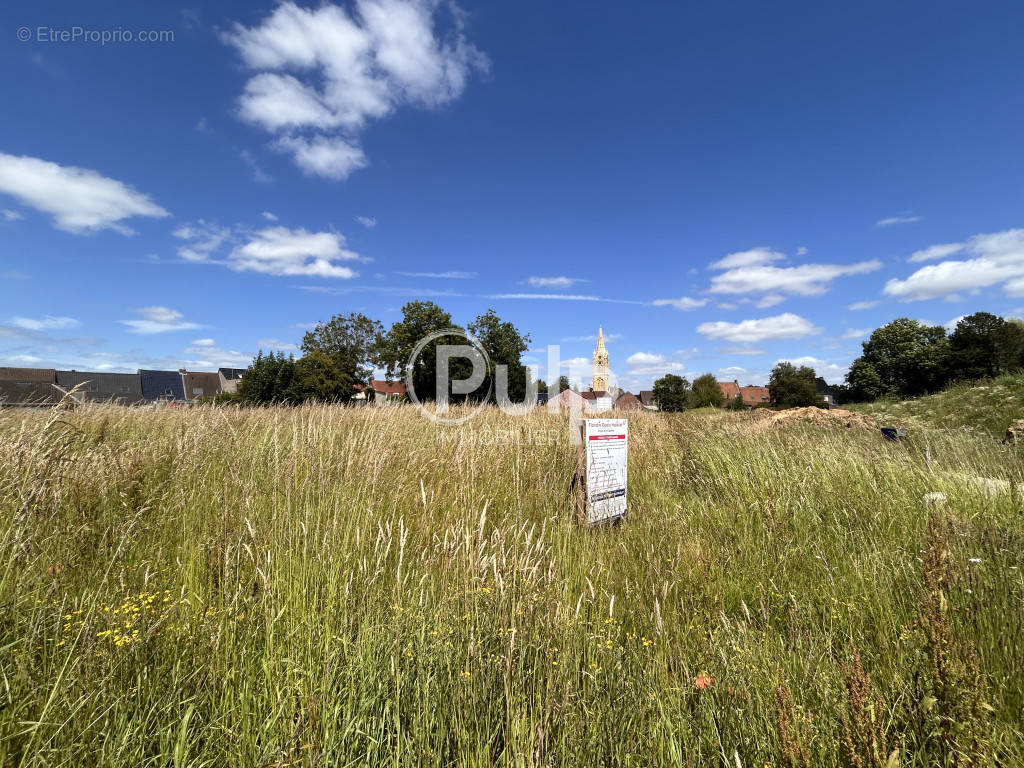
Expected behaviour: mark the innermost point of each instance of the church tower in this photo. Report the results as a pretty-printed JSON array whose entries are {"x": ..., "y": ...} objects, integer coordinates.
[{"x": 600, "y": 364}]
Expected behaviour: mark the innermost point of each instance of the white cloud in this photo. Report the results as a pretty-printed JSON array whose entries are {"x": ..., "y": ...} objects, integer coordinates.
[
  {"x": 202, "y": 240},
  {"x": 683, "y": 303},
  {"x": 367, "y": 221},
  {"x": 44, "y": 323},
  {"x": 801, "y": 251},
  {"x": 159, "y": 320},
  {"x": 8, "y": 215},
  {"x": 25, "y": 359},
  {"x": 554, "y": 282},
  {"x": 277, "y": 344},
  {"x": 331, "y": 157},
  {"x": 209, "y": 355},
  {"x": 354, "y": 67},
  {"x": 283, "y": 251},
  {"x": 952, "y": 324},
  {"x": 269, "y": 216},
  {"x": 769, "y": 300},
  {"x": 609, "y": 338},
  {"x": 804, "y": 280},
  {"x": 856, "y": 333},
  {"x": 644, "y": 358},
  {"x": 933, "y": 252},
  {"x": 894, "y": 220},
  {"x": 560, "y": 297},
  {"x": 203, "y": 343},
  {"x": 80, "y": 200},
  {"x": 857, "y": 305},
  {"x": 785, "y": 326},
  {"x": 992, "y": 259},
  {"x": 452, "y": 275},
  {"x": 753, "y": 257},
  {"x": 743, "y": 349},
  {"x": 651, "y": 364}
]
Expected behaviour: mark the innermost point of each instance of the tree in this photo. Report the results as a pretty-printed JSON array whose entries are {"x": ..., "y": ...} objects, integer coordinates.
[
  {"x": 705, "y": 392},
  {"x": 419, "y": 320},
  {"x": 1010, "y": 346},
  {"x": 671, "y": 392},
  {"x": 542, "y": 386},
  {"x": 736, "y": 403},
  {"x": 563, "y": 383},
  {"x": 270, "y": 379},
  {"x": 974, "y": 346},
  {"x": 319, "y": 377},
  {"x": 792, "y": 387},
  {"x": 349, "y": 342},
  {"x": 904, "y": 358},
  {"x": 504, "y": 345}
]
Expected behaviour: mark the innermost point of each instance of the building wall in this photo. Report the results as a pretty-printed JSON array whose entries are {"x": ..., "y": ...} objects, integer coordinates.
[{"x": 122, "y": 388}]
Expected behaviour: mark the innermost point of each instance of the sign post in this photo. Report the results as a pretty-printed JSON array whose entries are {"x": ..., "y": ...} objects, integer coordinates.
[{"x": 605, "y": 453}]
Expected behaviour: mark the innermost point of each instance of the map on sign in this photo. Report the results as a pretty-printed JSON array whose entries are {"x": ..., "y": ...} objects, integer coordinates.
[{"x": 606, "y": 442}]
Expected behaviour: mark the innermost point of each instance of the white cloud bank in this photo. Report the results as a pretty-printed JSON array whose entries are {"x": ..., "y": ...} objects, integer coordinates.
[
  {"x": 651, "y": 364},
  {"x": 159, "y": 320},
  {"x": 324, "y": 73},
  {"x": 752, "y": 272},
  {"x": 683, "y": 303},
  {"x": 989, "y": 259},
  {"x": 44, "y": 323},
  {"x": 80, "y": 201},
  {"x": 554, "y": 282},
  {"x": 892, "y": 221},
  {"x": 785, "y": 326}
]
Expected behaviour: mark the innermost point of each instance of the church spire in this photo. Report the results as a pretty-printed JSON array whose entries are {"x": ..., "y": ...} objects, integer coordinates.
[{"x": 600, "y": 363}]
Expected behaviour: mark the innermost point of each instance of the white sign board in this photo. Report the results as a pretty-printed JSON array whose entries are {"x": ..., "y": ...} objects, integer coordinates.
[{"x": 606, "y": 443}]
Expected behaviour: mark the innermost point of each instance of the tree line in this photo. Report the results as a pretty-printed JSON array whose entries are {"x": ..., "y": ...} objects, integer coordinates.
[{"x": 338, "y": 358}]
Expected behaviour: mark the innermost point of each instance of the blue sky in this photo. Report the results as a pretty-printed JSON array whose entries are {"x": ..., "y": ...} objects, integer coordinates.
[{"x": 719, "y": 185}]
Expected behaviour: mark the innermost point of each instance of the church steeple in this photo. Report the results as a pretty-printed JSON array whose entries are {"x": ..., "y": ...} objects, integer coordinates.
[{"x": 600, "y": 363}]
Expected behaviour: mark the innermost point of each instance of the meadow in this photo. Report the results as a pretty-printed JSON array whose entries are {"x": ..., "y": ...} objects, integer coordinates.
[{"x": 338, "y": 587}]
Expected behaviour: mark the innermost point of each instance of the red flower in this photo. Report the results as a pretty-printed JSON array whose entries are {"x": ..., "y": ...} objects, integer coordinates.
[{"x": 704, "y": 680}]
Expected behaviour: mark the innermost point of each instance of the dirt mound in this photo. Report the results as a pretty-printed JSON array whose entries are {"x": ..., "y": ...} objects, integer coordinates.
[{"x": 818, "y": 417}]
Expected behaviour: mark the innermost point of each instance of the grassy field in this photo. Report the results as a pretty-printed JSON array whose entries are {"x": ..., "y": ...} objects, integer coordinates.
[
  {"x": 985, "y": 408},
  {"x": 330, "y": 586}
]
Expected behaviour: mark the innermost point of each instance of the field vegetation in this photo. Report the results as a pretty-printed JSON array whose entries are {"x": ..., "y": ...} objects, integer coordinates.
[{"x": 323, "y": 585}]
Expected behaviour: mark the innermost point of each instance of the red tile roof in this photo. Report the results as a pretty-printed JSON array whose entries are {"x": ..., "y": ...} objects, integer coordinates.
[
  {"x": 730, "y": 389},
  {"x": 389, "y": 387},
  {"x": 754, "y": 395}
]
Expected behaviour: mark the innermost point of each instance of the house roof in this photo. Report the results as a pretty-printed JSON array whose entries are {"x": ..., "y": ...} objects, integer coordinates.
[
  {"x": 730, "y": 389},
  {"x": 567, "y": 398},
  {"x": 206, "y": 381},
  {"x": 123, "y": 388},
  {"x": 627, "y": 401},
  {"x": 647, "y": 397},
  {"x": 754, "y": 395},
  {"x": 822, "y": 386},
  {"x": 389, "y": 387},
  {"x": 231, "y": 373},
  {"x": 36, "y": 393},
  {"x": 47, "y": 375}
]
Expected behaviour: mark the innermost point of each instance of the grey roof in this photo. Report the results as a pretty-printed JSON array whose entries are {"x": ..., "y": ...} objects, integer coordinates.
[
  {"x": 37, "y": 393},
  {"x": 46, "y": 375},
  {"x": 121, "y": 388},
  {"x": 232, "y": 373},
  {"x": 162, "y": 385},
  {"x": 647, "y": 396},
  {"x": 201, "y": 384}
]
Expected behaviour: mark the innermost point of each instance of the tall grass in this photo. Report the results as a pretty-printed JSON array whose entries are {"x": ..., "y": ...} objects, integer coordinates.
[{"x": 332, "y": 586}]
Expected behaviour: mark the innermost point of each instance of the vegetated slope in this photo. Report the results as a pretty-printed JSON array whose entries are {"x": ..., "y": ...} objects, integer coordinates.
[
  {"x": 987, "y": 407},
  {"x": 332, "y": 586}
]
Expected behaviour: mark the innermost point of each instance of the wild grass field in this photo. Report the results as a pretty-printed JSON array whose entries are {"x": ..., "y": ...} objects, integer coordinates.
[{"x": 327, "y": 586}]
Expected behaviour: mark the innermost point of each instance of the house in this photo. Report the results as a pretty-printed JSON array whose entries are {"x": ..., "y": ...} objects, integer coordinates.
[
  {"x": 627, "y": 401},
  {"x": 827, "y": 393},
  {"x": 597, "y": 402},
  {"x": 751, "y": 396},
  {"x": 119, "y": 388},
  {"x": 647, "y": 400},
  {"x": 162, "y": 385},
  {"x": 383, "y": 392},
  {"x": 229, "y": 378},
  {"x": 730, "y": 389},
  {"x": 569, "y": 398},
  {"x": 200, "y": 384},
  {"x": 44, "y": 375},
  {"x": 29, "y": 394}
]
